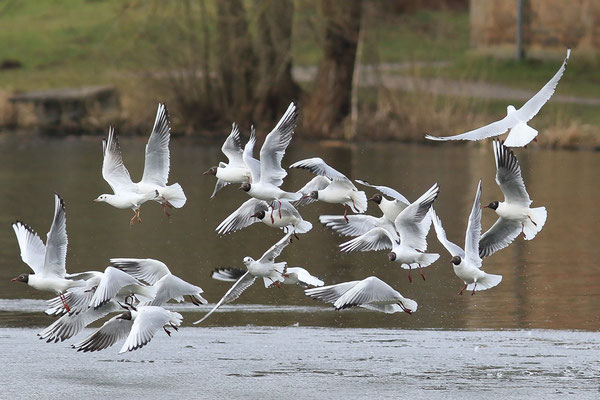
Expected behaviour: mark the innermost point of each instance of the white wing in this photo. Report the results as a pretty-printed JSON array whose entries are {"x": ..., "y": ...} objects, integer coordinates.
[
  {"x": 110, "y": 333},
  {"x": 331, "y": 293},
  {"x": 357, "y": 224},
  {"x": 248, "y": 156},
  {"x": 242, "y": 217},
  {"x": 218, "y": 186},
  {"x": 388, "y": 191},
  {"x": 273, "y": 149},
  {"x": 375, "y": 239},
  {"x": 500, "y": 235},
  {"x": 172, "y": 287},
  {"x": 533, "y": 105},
  {"x": 304, "y": 277},
  {"x": 110, "y": 284},
  {"x": 33, "y": 250},
  {"x": 148, "y": 321},
  {"x": 275, "y": 250},
  {"x": 144, "y": 269},
  {"x": 474, "y": 231},
  {"x": 157, "y": 162},
  {"x": 369, "y": 290},
  {"x": 317, "y": 166},
  {"x": 493, "y": 129},
  {"x": 452, "y": 248},
  {"x": 508, "y": 175},
  {"x": 233, "y": 293},
  {"x": 113, "y": 169},
  {"x": 56, "y": 242},
  {"x": 78, "y": 298},
  {"x": 317, "y": 183},
  {"x": 232, "y": 148},
  {"x": 409, "y": 224}
]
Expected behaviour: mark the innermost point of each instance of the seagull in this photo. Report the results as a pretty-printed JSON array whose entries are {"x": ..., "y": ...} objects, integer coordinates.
[
  {"x": 47, "y": 261},
  {"x": 390, "y": 208},
  {"x": 157, "y": 274},
  {"x": 236, "y": 170},
  {"x": 412, "y": 226},
  {"x": 273, "y": 274},
  {"x": 116, "y": 283},
  {"x": 371, "y": 293},
  {"x": 340, "y": 191},
  {"x": 516, "y": 120},
  {"x": 467, "y": 263},
  {"x": 294, "y": 276},
  {"x": 514, "y": 212},
  {"x": 153, "y": 185},
  {"x": 255, "y": 210},
  {"x": 138, "y": 326},
  {"x": 267, "y": 174}
]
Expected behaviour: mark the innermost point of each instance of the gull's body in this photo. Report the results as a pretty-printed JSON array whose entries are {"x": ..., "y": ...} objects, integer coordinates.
[
  {"x": 514, "y": 214},
  {"x": 467, "y": 263},
  {"x": 293, "y": 276},
  {"x": 370, "y": 293},
  {"x": 273, "y": 274},
  {"x": 516, "y": 120},
  {"x": 390, "y": 208}
]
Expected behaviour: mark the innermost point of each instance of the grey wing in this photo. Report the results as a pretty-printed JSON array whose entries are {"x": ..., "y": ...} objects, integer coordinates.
[
  {"x": 78, "y": 299},
  {"x": 275, "y": 250},
  {"x": 56, "y": 242},
  {"x": 113, "y": 169},
  {"x": 357, "y": 224},
  {"x": 369, "y": 290},
  {"x": 452, "y": 248},
  {"x": 317, "y": 166},
  {"x": 533, "y": 105},
  {"x": 317, "y": 183},
  {"x": 233, "y": 293},
  {"x": 373, "y": 240},
  {"x": 228, "y": 274},
  {"x": 147, "y": 270},
  {"x": 157, "y": 161},
  {"x": 388, "y": 191},
  {"x": 331, "y": 293},
  {"x": 500, "y": 235},
  {"x": 248, "y": 157},
  {"x": 113, "y": 330},
  {"x": 493, "y": 129},
  {"x": 474, "y": 231},
  {"x": 172, "y": 287},
  {"x": 218, "y": 186},
  {"x": 232, "y": 148},
  {"x": 273, "y": 149},
  {"x": 242, "y": 217},
  {"x": 409, "y": 224},
  {"x": 110, "y": 285},
  {"x": 508, "y": 175},
  {"x": 33, "y": 250}
]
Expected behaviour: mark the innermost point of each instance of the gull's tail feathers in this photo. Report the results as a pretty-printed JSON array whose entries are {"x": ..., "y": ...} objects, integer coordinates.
[
  {"x": 520, "y": 135},
  {"x": 174, "y": 195},
  {"x": 426, "y": 260},
  {"x": 487, "y": 282},
  {"x": 538, "y": 216},
  {"x": 359, "y": 201},
  {"x": 303, "y": 227}
]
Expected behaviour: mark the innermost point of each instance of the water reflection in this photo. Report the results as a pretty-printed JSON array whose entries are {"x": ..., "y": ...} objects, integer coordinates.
[{"x": 550, "y": 282}]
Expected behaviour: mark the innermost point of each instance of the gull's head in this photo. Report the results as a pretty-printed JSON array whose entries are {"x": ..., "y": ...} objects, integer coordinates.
[
  {"x": 510, "y": 109},
  {"x": 126, "y": 315},
  {"x": 392, "y": 256},
  {"x": 314, "y": 195},
  {"x": 245, "y": 187},
  {"x": 21, "y": 278},
  {"x": 248, "y": 260},
  {"x": 101, "y": 198},
  {"x": 376, "y": 198},
  {"x": 211, "y": 171},
  {"x": 493, "y": 205},
  {"x": 260, "y": 215},
  {"x": 455, "y": 260}
]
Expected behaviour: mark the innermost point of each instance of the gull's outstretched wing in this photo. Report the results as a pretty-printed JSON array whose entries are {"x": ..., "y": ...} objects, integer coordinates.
[
  {"x": 330, "y": 293},
  {"x": 474, "y": 231},
  {"x": 409, "y": 224},
  {"x": 373, "y": 240},
  {"x": 56, "y": 242},
  {"x": 500, "y": 235},
  {"x": 275, "y": 250},
  {"x": 113, "y": 169},
  {"x": 33, "y": 250},
  {"x": 111, "y": 332},
  {"x": 248, "y": 157},
  {"x": 232, "y": 148},
  {"x": 493, "y": 129},
  {"x": 149, "y": 320},
  {"x": 357, "y": 224},
  {"x": 317, "y": 183},
  {"x": 367, "y": 291},
  {"x": 508, "y": 175},
  {"x": 242, "y": 217},
  {"x": 172, "y": 287},
  {"x": 110, "y": 284},
  {"x": 388, "y": 191},
  {"x": 157, "y": 162},
  {"x": 147, "y": 270},
  {"x": 273, "y": 149},
  {"x": 317, "y": 166}
]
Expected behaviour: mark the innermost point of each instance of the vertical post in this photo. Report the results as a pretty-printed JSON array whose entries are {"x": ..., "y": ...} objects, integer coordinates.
[{"x": 520, "y": 54}]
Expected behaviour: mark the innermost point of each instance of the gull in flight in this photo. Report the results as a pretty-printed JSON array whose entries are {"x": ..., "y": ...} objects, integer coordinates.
[
  {"x": 412, "y": 225},
  {"x": 255, "y": 210},
  {"x": 48, "y": 262},
  {"x": 294, "y": 276},
  {"x": 515, "y": 216},
  {"x": 138, "y": 326},
  {"x": 273, "y": 274},
  {"x": 115, "y": 283},
  {"x": 467, "y": 263},
  {"x": 340, "y": 190},
  {"x": 267, "y": 174},
  {"x": 516, "y": 120},
  {"x": 153, "y": 185},
  {"x": 235, "y": 171},
  {"x": 371, "y": 293}
]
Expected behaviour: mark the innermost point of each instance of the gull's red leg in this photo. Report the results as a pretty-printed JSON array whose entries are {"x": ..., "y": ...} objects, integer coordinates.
[
  {"x": 462, "y": 290},
  {"x": 474, "y": 287}
]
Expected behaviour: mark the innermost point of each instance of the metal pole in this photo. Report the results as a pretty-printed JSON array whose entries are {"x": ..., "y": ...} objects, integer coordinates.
[{"x": 520, "y": 53}]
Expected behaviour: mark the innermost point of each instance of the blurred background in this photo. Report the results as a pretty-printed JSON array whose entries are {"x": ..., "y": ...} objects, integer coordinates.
[{"x": 360, "y": 70}]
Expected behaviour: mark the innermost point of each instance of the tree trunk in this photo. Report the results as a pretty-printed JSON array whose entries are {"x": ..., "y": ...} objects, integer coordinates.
[{"x": 330, "y": 101}]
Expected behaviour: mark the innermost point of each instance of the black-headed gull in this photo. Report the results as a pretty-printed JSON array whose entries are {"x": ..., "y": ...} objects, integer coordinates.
[
  {"x": 156, "y": 273},
  {"x": 153, "y": 185},
  {"x": 371, "y": 293},
  {"x": 516, "y": 120},
  {"x": 235, "y": 171},
  {"x": 293, "y": 276},
  {"x": 48, "y": 262},
  {"x": 467, "y": 263},
  {"x": 273, "y": 274},
  {"x": 514, "y": 212},
  {"x": 267, "y": 174},
  {"x": 341, "y": 190},
  {"x": 138, "y": 326},
  {"x": 412, "y": 226},
  {"x": 390, "y": 208},
  {"x": 255, "y": 210}
]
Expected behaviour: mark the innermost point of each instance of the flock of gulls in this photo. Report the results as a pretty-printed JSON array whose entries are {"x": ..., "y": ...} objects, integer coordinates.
[{"x": 135, "y": 290}]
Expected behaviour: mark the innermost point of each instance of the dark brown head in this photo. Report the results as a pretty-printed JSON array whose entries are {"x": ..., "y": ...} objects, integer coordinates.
[
  {"x": 126, "y": 315},
  {"x": 260, "y": 215},
  {"x": 212, "y": 171},
  {"x": 455, "y": 260},
  {"x": 376, "y": 198},
  {"x": 245, "y": 187},
  {"x": 21, "y": 278},
  {"x": 392, "y": 256},
  {"x": 314, "y": 195},
  {"x": 493, "y": 205}
]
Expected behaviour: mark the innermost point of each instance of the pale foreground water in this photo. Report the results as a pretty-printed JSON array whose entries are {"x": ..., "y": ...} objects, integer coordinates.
[{"x": 299, "y": 362}]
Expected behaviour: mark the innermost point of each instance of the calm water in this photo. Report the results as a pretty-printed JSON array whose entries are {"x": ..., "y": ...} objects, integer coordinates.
[{"x": 552, "y": 282}]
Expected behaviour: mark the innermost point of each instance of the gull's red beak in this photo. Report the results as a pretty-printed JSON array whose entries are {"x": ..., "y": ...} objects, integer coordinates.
[{"x": 14, "y": 279}]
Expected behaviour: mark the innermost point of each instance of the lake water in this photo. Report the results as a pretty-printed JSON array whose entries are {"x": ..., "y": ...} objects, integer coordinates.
[{"x": 551, "y": 282}]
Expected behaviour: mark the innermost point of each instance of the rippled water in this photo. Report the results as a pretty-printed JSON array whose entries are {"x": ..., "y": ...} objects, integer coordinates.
[{"x": 551, "y": 282}]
